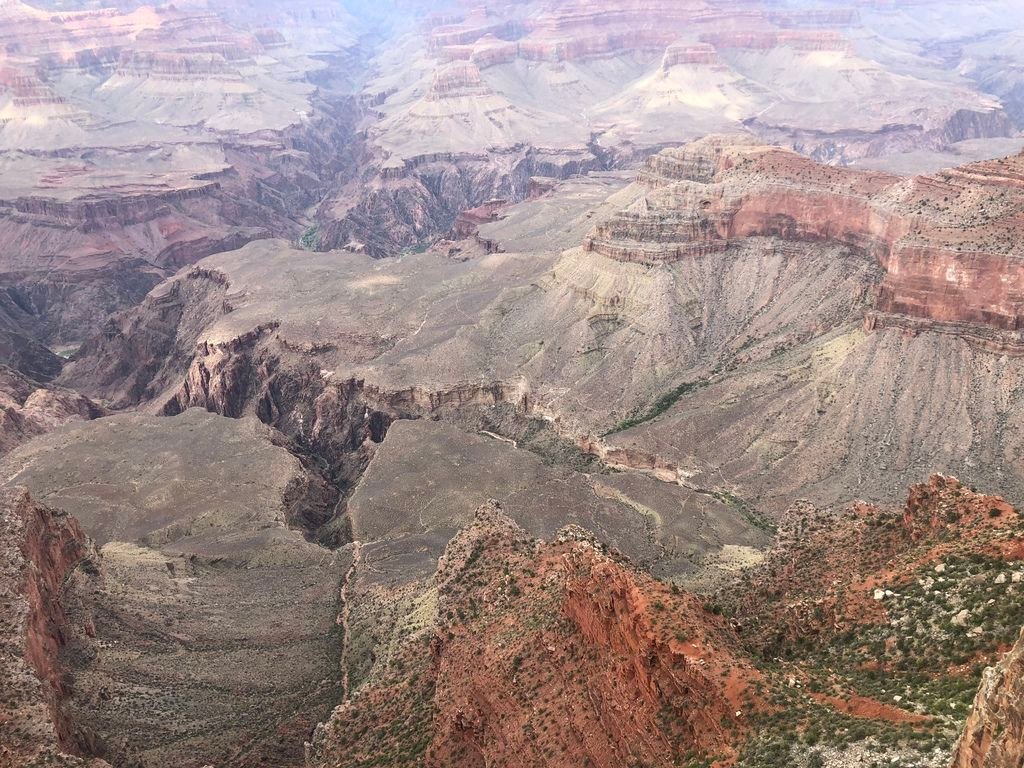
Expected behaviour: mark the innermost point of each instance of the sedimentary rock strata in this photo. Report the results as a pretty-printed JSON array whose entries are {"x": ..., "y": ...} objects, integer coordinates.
[
  {"x": 761, "y": 276},
  {"x": 540, "y": 618},
  {"x": 944, "y": 241},
  {"x": 604, "y": 86}
]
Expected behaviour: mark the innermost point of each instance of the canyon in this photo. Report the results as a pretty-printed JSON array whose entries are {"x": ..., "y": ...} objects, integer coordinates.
[
  {"x": 530, "y": 384},
  {"x": 765, "y": 277},
  {"x": 138, "y": 140}
]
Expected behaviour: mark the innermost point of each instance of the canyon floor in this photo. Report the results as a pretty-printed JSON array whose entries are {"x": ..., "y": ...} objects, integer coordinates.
[{"x": 538, "y": 384}]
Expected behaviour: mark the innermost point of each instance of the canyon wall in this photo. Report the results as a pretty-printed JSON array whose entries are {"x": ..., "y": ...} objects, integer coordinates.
[
  {"x": 994, "y": 734},
  {"x": 47, "y": 565},
  {"x": 944, "y": 241},
  {"x": 197, "y": 133}
]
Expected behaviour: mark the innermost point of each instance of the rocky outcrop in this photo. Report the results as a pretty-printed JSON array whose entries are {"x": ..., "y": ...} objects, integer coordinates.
[
  {"x": 994, "y": 734},
  {"x": 456, "y": 80},
  {"x": 125, "y": 364},
  {"x": 47, "y": 563},
  {"x": 516, "y": 621},
  {"x": 28, "y": 409},
  {"x": 944, "y": 241},
  {"x": 30, "y": 404},
  {"x": 506, "y": 620},
  {"x": 821, "y": 576}
]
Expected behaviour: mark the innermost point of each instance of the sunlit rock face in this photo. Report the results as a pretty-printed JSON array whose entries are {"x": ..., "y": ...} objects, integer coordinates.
[
  {"x": 994, "y": 734},
  {"x": 946, "y": 241}
]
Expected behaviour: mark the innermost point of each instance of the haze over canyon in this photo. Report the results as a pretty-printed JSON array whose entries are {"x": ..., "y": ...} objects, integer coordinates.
[{"x": 512, "y": 384}]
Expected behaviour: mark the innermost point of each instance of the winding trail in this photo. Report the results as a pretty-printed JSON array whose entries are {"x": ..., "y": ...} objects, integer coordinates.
[{"x": 343, "y": 619}]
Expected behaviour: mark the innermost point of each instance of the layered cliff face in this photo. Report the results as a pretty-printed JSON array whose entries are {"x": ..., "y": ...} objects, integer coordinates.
[
  {"x": 135, "y": 142},
  {"x": 729, "y": 274},
  {"x": 49, "y": 568},
  {"x": 944, "y": 241},
  {"x": 552, "y": 654},
  {"x": 994, "y": 734},
  {"x": 590, "y": 86},
  {"x": 646, "y": 369},
  {"x": 942, "y": 295},
  {"x": 752, "y": 46}
]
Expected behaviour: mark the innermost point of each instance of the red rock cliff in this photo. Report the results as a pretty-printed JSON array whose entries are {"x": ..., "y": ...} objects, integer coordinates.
[
  {"x": 549, "y": 654},
  {"x": 994, "y": 734},
  {"x": 946, "y": 241},
  {"x": 42, "y": 550}
]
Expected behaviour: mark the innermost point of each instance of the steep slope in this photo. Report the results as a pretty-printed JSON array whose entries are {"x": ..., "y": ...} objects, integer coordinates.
[
  {"x": 30, "y": 404},
  {"x": 213, "y": 637},
  {"x": 946, "y": 299},
  {"x": 994, "y": 734},
  {"x": 545, "y": 655},
  {"x": 47, "y": 571},
  {"x": 884, "y": 615},
  {"x": 820, "y": 578}
]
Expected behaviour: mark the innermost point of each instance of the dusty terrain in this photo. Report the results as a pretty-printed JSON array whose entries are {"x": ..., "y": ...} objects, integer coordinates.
[
  {"x": 740, "y": 319},
  {"x": 213, "y": 635},
  {"x": 559, "y": 653},
  {"x": 529, "y": 384}
]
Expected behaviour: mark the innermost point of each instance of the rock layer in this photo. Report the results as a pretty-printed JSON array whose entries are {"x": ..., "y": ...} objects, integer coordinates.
[
  {"x": 514, "y": 622},
  {"x": 994, "y": 734},
  {"x": 944, "y": 241}
]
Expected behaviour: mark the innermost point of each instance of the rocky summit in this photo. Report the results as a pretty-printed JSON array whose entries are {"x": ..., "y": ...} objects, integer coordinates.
[{"x": 528, "y": 384}]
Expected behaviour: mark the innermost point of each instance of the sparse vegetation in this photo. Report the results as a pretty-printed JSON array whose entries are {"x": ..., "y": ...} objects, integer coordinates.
[{"x": 659, "y": 406}]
